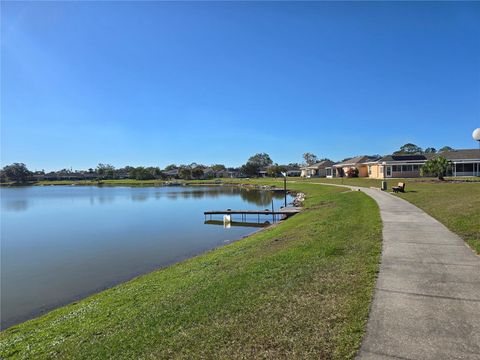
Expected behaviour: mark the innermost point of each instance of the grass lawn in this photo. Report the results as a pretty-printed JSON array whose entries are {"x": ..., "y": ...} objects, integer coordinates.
[
  {"x": 298, "y": 290},
  {"x": 456, "y": 205}
]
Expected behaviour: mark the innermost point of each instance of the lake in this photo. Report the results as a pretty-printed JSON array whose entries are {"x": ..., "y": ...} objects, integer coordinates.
[{"x": 61, "y": 243}]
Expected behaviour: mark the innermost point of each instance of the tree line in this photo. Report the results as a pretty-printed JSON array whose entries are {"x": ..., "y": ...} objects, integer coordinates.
[{"x": 259, "y": 164}]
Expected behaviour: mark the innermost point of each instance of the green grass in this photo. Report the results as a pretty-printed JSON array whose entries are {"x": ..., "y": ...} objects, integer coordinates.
[
  {"x": 455, "y": 204},
  {"x": 298, "y": 290}
]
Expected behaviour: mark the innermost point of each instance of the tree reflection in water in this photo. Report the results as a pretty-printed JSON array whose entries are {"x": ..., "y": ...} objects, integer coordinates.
[{"x": 261, "y": 198}]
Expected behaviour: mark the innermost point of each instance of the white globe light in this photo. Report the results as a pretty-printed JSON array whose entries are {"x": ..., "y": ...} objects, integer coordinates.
[{"x": 476, "y": 134}]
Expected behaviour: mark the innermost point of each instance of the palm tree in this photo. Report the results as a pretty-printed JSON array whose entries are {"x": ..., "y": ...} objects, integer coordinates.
[{"x": 438, "y": 167}]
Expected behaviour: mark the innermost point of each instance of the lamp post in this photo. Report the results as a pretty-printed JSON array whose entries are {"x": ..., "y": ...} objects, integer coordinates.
[
  {"x": 476, "y": 137},
  {"x": 284, "y": 174}
]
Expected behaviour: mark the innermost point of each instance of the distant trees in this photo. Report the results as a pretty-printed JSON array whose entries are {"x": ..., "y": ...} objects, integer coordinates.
[
  {"x": 16, "y": 172},
  {"x": 438, "y": 166},
  {"x": 409, "y": 149},
  {"x": 256, "y": 163},
  {"x": 144, "y": 173},
  {"x": 250, "y": 169},
  {"x": 197, "y": 172},
  {"x": 446, "y": 148},
  {"x": 293, "y": 166},
  {"x": 276, "y": 170},
  {"x": 412, "y": 149},
  {"x": 310, "y": 158},
  {"x": 218, "y": 167},
  {"x": 170, "y": 167},
  {"x": 105, "y": 171},
  {"x": 185, "y": 173},
  {"x": 261, "y": 159}
]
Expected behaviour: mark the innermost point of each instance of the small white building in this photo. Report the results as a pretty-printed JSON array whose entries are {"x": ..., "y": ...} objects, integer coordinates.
[{"x": 317, "y": 169}]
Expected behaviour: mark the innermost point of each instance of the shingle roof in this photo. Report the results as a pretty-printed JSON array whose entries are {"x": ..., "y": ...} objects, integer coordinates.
[
  {"x": 356, "y": 160},
  {"x": 461, "y": 154},
  {"x": 320, "y": 165},
  {"x": 450, "y": 155}
]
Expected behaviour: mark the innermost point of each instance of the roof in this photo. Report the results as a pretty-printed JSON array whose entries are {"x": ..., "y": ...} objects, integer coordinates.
[
  {"x": 319, "y": 165},
  {"x": 356, "y": 160},
  {"x": 171, "y": 172},
  {"x": 462, "y": 154}
]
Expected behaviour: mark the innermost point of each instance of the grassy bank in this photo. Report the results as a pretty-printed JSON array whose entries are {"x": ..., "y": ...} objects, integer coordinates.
[
  {"x": 297, "y": 290},
  {"x": 455, "y": 204}
]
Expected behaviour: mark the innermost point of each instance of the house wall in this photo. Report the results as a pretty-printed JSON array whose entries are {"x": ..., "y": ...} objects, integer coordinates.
[
  {"x": 322, "y": 173},
  {"x": 375, "y": 172},
  {"x": 362, "y": 171}
]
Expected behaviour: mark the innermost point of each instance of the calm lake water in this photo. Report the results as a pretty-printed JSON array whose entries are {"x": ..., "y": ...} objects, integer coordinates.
[{"x": 60, "y": 243}]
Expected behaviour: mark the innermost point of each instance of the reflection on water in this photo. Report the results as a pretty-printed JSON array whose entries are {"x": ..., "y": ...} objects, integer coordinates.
[
  {"x": 251, "y": 196},
  {"x": 60, "y": 243},
  {"x": 16, "y": 205}
]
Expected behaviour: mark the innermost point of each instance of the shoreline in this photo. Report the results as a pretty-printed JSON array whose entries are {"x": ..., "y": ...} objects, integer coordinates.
[
  {"x": 74, "y": 299},
  {"x": 237, "y": 293}
]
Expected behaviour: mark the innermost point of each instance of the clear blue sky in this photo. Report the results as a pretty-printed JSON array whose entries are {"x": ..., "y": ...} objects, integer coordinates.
[{"x": 154, "y": 83}]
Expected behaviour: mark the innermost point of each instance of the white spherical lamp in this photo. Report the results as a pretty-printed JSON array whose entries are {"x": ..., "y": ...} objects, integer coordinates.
[{"x": 476, "y": 134}]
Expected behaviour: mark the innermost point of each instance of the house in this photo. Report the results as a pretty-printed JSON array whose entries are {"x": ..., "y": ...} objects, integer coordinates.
[
  {"x": 294, "y": 172},
  {"x": 401, "y": 166},
  {"x": 262, "y": 173},
  {"x": 171, "y": 173},
  {"x": 209, "y": 173},
  {"x": 316, "y": 170},
  {"x": 342, "y": 168},
  {"x": 62, "y": 175},
  {"x": 465, "y": 162}
]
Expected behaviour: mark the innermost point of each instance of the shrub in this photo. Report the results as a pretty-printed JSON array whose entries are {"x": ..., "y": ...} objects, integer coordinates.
[{"x": 352, "y": 172}]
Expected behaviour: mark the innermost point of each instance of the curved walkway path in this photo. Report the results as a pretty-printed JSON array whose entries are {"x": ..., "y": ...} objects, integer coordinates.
[{"x": 426, "y": 303}]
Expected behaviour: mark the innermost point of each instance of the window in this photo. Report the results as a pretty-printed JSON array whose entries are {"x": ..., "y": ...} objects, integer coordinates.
[
  {"x": 369, "y": 169},
  {"x": 395, "y": 168}
]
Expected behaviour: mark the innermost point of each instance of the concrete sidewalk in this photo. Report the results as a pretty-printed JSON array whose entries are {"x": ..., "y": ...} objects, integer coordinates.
[{"x": 427, "y": 298}]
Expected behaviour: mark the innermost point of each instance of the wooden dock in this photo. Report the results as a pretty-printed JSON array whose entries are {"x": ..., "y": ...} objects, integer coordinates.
[
  {"x": 283, "y": 212},
  {"x": 238, "y": 223}
]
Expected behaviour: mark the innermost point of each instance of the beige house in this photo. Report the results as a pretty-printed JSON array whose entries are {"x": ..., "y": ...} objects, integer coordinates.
[
  {"x": 316, "y": 170},
  {"x": 359, "y": 162},
  {"x": 397, "y": 166}
]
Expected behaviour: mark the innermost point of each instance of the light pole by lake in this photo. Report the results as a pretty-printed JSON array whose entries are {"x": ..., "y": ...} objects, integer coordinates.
[
  {"x": 476, "y": 136},
  {"x": 284, "y": 174}
]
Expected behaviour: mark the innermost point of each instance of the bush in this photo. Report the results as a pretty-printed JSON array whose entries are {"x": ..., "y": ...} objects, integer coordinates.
[{"x": 352, "y": 172}]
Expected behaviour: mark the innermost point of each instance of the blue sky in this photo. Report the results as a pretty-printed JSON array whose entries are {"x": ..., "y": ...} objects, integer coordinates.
[{"x": 154, "y": 83}]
